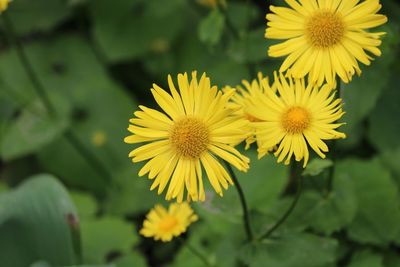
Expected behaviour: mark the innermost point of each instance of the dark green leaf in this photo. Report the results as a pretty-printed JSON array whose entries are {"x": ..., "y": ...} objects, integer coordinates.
[{"x": 37, "y": 221}]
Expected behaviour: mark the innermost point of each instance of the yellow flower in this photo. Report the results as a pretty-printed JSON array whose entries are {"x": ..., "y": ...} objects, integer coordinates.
[
  {"x": 4, "y": 5},
  {"x": 238, "y": 102},
  {"x": 196, "y": 129},
  {"x": 325, "y": 37},
  {"x": 165, "y": 224},
  {"x": 299, "y": 116}
]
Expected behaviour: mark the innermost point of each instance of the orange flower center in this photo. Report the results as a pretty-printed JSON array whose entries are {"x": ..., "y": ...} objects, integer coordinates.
[
  {"x": 325, "y": 29},
  {"x": 296, "y": 120},
  {"x": 190, "y": 137},
  {"x": 168, "y": 223}
]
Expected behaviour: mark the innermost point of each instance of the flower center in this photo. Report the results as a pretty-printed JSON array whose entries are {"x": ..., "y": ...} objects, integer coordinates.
[
  {"x": 190, "y": 137},
  {"x": 325, "y": 29},
  {"x": 296, "y": 120},
  {"x": 167, "y": 224}
]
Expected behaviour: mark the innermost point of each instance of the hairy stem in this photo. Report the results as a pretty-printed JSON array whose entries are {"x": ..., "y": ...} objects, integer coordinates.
[
  {"x": 246, "y": 217},
  {"x": 288, "y": 212},
  {"x": 195, "y": 252}
]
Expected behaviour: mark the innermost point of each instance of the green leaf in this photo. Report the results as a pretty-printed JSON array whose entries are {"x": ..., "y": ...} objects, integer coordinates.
[
  {"x": 366, "y": 258},
  {"x": 33, "y": 129},
  {"x": 130, "y": 194},
  {"x": 384, "y": 122},
  {"x": 119, "y": 26},
  {"x": 262, "y": 185},
  {"x": 291, "y": 250},
  {"x": 212, "y": 27},
  {"x": 85, "y": 203},
  {"x": 378, "y": 213},
  {"x": 39, "y": 15},
  {"x": 37, "y": 221},
  {"x": 132, "y": 259},
  {"x": 317, "y": 166},
  {"x": 250, "y": 48},
  {"x": 362, "y": 93},
  {"x": 105, "y": 235}
]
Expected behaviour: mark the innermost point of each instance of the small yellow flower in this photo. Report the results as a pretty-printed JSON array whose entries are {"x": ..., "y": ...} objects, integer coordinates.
[
  {"x": 4, "y": 5},
  {"x": 196, "y": 129},
  {"x": 245, "y": 91},
  {"x": 299, "y": 116},
  {"x": 325, "y": 37},
  {"x": 163, "y": 224},
  {"x": 99, "y": 138}
]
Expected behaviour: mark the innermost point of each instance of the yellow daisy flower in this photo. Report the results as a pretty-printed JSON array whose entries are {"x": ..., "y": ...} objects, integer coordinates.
[
  {"x": 196, "y": 129},
  {"x": 325, "y": 37},
  {"x": 249, "y": 90},
  {"x": 4, "y": 5},
  {"x": 163, "y": 224},
  {"x": 299, "y": 116}
]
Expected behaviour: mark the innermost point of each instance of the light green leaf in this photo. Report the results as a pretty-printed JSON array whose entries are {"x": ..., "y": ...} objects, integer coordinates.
[
  {"x": 85, "y": 203},
  {"x": 105, "y": 235},
  {"x": 33, "y": 129},
  {"x": 317, "y": 166},
  {"x": 38, "y": 221},
  {"x": 119, "y": 26},
  {"x": 212, "y": 27},
  {"x": 130, "y": 260},
  {"x": 378, "y": 214},
  {"x": 292, "y": 250}
]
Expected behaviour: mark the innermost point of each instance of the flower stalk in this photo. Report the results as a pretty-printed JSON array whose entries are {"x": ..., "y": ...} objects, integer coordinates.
[
  {"x": 246, "y": 216},
  {"x": 196, "y": 253},
  {"x": 289, "y": 211}
]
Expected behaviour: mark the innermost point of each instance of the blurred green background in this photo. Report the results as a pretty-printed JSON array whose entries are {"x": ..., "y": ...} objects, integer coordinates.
[{"x": 70, "y": 196}]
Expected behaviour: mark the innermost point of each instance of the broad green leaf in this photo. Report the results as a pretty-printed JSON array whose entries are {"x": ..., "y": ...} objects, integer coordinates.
[
  {"x": 85, "y": 203},
  {"x": 131, "y": 29},
  {"x": 33, "y": 129},
  {"x": 63, "y": 64},
  {"x": 38, "y": 221},
  {"x": 362, "y": 93},
  {"x": 130, "y": 194},
  {"x": 384, "y": 122},
  {"x": 212, "y": 27},
  {"x": 378, "y": 213},
  {"x": 130, "y": 260},
  {"x": 37, "y": 16},
  {"x": 366, "y": 258},
  {"x": 105, "y": 235},
  {"x": 292, "y": 250},
  {"x": 317, "y": 166}
]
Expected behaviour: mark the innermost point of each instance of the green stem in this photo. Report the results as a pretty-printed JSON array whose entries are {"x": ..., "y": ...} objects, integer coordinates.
[
  {"x": 229, "y": 23},
  {"x": 288, "y": 212},
  {"x": 331, "y": 173},
  {"x": 246, "y": 217},
  {"x": 37, "y": 85},
  {"x": 41, "y": 92},
  {"x": 195, "y": 252}
]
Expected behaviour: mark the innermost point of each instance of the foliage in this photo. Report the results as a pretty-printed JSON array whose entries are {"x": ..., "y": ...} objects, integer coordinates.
[{"x": 96, "y": 60}]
